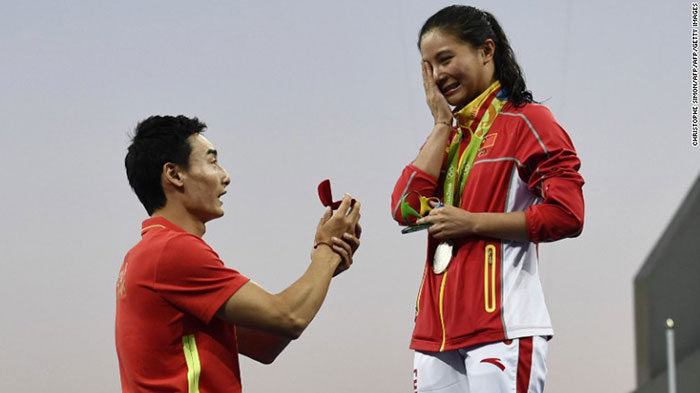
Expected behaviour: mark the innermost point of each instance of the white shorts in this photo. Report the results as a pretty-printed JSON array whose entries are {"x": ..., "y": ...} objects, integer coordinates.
[{"x": 514, "y": 366}]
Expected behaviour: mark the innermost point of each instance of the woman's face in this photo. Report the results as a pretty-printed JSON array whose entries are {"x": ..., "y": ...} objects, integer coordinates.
[{"x": 460, "y": 70}]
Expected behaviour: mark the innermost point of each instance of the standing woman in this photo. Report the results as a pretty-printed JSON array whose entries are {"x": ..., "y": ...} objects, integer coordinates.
[{"x": 507, "y": 175}]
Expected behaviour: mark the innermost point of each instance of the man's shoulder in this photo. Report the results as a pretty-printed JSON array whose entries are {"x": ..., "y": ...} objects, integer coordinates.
[
  {"x": 178, "y": 245},
  {"x": 159, "y": 243},
  {"x": 169, "y": 237}
]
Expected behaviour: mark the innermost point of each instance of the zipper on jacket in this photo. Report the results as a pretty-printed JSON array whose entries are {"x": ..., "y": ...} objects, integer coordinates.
[
  {"x": 442, "y": 314},
  {"x": 490, "y": 279}
]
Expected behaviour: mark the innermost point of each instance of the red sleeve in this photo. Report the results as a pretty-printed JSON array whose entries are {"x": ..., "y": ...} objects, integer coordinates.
[
  {"x": 551, "y": 172},
  {"x": 413, "y": 182},
  {"x": 191, "y": 276}
]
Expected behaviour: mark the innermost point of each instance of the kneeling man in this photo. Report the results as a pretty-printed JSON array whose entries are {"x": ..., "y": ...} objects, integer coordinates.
[{"x": 182, "y": 315}]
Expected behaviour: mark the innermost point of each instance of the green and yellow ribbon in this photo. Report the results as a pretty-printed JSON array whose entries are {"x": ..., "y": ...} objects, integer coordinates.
[{"x": 459, "y": 167}]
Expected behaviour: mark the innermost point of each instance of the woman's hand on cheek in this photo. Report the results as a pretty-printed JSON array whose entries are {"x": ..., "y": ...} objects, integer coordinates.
[{"x": 442, "y": 114}]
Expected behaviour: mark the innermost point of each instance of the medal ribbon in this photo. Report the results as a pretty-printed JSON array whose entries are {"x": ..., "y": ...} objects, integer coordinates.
[{"x": 459, "y": 167}]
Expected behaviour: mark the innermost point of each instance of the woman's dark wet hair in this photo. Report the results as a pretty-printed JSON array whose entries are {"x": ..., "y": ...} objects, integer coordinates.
[
  {"x": 157, "y": 141},
  {"x": 474, "y": 26}
]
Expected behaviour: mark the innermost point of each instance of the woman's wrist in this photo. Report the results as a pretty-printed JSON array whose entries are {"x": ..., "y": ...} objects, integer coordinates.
[
  {"x": 446, "y": 123},
  {"x": 475, "y": 223},
  {"x": 442, "y": 128}
]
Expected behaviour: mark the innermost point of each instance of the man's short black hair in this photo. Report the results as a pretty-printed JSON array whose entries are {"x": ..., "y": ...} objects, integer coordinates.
[{"x": 157, "y": 141}]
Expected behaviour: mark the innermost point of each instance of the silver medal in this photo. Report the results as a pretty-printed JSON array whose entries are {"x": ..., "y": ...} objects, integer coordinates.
[{"x": 442, "y": 257}]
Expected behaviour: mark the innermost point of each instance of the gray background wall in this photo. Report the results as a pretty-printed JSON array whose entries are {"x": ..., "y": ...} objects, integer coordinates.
[{"x": 294, "y": 92}]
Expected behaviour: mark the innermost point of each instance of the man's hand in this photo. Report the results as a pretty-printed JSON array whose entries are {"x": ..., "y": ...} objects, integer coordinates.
[
  {"x": 342, "y": 231},
  {"x": 346, "y": 247},
  {"x": 335, "y": 224}
]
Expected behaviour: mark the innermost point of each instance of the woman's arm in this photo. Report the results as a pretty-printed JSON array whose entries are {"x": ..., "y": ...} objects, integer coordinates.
[
  {"x": 452, "y": 222},
  {"x": 420, "y": 177},
  {"x": 550, "y": 168}
]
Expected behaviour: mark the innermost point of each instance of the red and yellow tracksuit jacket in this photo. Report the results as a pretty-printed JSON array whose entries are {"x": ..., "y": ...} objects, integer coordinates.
[{"x": 491, "y": 290}]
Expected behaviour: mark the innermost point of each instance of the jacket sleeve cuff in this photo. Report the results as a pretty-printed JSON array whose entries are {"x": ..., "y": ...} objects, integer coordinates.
[
  {"x": 413, "y": 180},
  {"x": 550, "y": 222}
]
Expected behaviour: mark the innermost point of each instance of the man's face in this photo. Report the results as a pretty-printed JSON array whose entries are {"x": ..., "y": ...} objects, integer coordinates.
[{"x": 205, "y": 181}]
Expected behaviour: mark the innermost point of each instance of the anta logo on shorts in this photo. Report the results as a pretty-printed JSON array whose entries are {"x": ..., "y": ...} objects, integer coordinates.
[
  {"x": 415, "y": 380},
  {"x": 488, "y": 142},
  {"x": 496, "y": 362}
]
